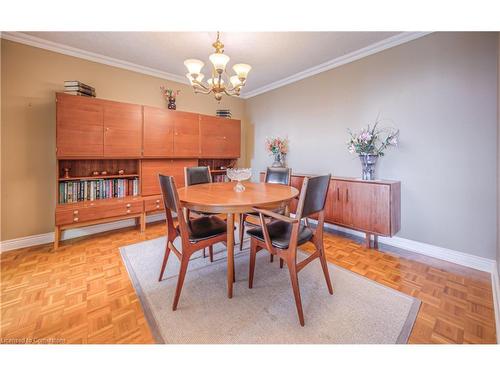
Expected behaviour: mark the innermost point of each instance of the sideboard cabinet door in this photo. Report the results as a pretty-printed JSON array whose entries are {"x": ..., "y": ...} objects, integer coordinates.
[
  {"x": 122, "y": 129},
  {"x": 79, "y": 127},
  {"x": 158, "y": 132},
  {"x": 367, "y": 207}
]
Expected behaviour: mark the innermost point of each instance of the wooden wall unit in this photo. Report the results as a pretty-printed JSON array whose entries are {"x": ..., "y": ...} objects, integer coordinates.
[
  {"x": 373, "y": 207},
  {"x": 95, "y": 135}
]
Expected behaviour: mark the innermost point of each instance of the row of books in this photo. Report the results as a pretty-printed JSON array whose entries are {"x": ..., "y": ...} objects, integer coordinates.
[
  {"x": 223, "y": 113},
  {"x": 78, "y": 88},
  {"x": 89, "y": 190}
]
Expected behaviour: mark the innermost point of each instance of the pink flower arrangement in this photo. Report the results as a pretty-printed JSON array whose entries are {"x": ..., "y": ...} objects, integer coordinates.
[
  {"x": 372, "y": 141},
  {"x": 277, "y": 145},
  {"x": 169, "y": 93}
]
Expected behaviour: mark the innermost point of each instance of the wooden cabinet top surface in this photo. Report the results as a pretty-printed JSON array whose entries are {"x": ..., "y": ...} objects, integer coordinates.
[
  {"x": 348, "y": 179},
  {"x": 84, "y": 98}
]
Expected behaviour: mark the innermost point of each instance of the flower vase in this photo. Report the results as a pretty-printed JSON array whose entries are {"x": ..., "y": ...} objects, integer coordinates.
[
  {"x": 278, "y": 160},
  {"x": 171, "y": 104},
  {"x": 368, "y": 162}
]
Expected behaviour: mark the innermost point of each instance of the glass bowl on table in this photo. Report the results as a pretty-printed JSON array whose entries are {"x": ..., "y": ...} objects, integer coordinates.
[{"x": 239, "y": 174}]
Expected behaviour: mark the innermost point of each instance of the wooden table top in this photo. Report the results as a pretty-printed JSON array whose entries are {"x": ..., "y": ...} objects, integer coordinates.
[{"x": 220, "y": 197}]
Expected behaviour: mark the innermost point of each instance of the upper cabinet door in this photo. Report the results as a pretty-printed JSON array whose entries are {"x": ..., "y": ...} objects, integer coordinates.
[
  {"x": 186, "y": 134},
  {"x": 158, "y": 132},
  {"x": 122, "y": 130},
  {"x": 220, "y": 137},
  {"x": 79, "y": 127}
]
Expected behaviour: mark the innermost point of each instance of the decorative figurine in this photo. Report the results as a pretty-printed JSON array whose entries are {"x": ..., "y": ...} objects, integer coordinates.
[
  {"x": 66, "y": 172},
  {"x": 95, "y": 173},
  {"x": 104, "y": 173},
  {"x": 121, "y": 171}
]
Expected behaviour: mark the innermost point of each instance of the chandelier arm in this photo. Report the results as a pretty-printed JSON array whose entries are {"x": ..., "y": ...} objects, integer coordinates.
[
  {"x": 200, "y": 84},
  {"x": 196, "y": 91}
]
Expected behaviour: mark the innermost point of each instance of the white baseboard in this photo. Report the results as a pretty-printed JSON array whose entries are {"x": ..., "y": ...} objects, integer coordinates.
[
  {"x": 495, "y": 281},
  {"x": 41, "y": 239},
  {"x": 457, "y": 257}
]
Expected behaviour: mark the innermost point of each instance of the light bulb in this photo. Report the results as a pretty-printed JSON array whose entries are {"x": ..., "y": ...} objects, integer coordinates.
[
  {"x": 242, "y": 70},
  {"x": 194, "y": 66},
  {"x": 199, "y": 78},
  {"x": 220, "y": 61}
]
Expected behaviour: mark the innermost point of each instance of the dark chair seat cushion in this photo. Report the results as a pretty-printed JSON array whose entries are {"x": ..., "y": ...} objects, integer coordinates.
[
  {"x": 205, "y": 227},
  {"x": 280, "y": 231}
]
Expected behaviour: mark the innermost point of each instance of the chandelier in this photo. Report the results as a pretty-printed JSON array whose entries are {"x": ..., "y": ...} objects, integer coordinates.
[{"x": 231, "y": 86}]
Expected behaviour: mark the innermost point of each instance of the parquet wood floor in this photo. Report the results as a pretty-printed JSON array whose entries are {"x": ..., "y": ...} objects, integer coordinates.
[{"x": 81, "y": 293}]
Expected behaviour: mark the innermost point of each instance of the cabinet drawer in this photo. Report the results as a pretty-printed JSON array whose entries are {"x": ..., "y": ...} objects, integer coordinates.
[
  {"x": 153, "y": 204},
  {"x": 98, "y": 210}
]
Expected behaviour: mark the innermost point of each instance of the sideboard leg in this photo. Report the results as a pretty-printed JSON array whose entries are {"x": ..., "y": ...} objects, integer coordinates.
[
  {"x": 57, "y": 237},
  {"x": 367, "y": 240},
  {"x": 143, "y": 222},
  {"x": 375, "y": 241}
]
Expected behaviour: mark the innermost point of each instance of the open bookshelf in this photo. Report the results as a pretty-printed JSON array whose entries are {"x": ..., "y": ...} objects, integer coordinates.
[{"x": 83, "y": 181}]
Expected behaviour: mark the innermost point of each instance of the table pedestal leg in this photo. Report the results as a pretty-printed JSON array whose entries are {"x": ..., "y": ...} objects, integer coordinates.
[{"x": 230, "y": 254}]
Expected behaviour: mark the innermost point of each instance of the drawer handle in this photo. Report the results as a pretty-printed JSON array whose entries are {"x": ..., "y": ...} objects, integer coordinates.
[
  {"x": 75, "y": 219},
  {"x": 128, "y": 205},
  {"x": 128, "y": 211},
  {"x": 157, "y": 206},
  {"x": 158, "y": 201},
  {"x": 75, "y": 212}
]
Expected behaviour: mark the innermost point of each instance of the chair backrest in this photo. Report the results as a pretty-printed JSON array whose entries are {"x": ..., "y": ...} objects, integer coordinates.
[
  {"x": 278, "y": 175},
  {"x": 197, "y": 175},
  {"x": 313, "y": 195},
  {"x": 169, "y": 192}
]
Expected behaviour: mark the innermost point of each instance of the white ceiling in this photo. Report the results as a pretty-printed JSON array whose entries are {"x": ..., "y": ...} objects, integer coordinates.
[{"x": 274, "y": 56}]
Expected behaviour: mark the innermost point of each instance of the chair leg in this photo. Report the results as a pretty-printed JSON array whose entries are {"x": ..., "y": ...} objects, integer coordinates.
[
  {"x": 242, "y": 230},
  {"x": 165, "y": 259},
  {"x": 271, "y": 258},
  {"x": 324, "y": 265},
  {"x": 296, "y": 291},
  {"x": 281, "y": 263},
  {"x": 210, "y": 253},
  {"x": 180, "y": 280},
  {"x": 204, "y": 254},
  {"x": 253, "y": 255}
]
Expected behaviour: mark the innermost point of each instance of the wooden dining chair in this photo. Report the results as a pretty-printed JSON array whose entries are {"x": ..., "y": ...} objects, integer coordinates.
[
  {"x": 284, "y": 234},
  {"x": 274, "y": 175},
  {"x": 196, "y": 233}
]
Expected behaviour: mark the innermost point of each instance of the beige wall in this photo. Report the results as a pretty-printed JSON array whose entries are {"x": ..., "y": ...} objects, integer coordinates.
[
  {"x": 441, "y": 92},
  {"x": 30, "y": 76}
]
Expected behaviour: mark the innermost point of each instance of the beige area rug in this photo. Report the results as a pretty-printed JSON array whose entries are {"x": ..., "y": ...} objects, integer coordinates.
[{"x": 360, "y": 311}]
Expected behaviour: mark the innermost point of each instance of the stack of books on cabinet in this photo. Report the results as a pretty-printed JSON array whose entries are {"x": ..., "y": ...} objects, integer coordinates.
[
  {"x": 226, "y": 113},
  {"x": 78, "y": 88}
]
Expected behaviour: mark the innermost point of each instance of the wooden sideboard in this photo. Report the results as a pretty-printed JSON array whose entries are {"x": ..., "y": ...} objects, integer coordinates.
[
  {"x": 372, "y": 207},
  {"x": 103, "y": 135}
]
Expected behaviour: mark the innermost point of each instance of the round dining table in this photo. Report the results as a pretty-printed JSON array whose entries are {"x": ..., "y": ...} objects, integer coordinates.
[{"x": 221, "y": 198}]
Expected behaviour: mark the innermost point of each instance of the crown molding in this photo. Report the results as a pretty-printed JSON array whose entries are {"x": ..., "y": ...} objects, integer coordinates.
[
  {"x": 82, "y": 54},
  {"x": 86, "y": 55},
  {"x": 393, "y": 41}
]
